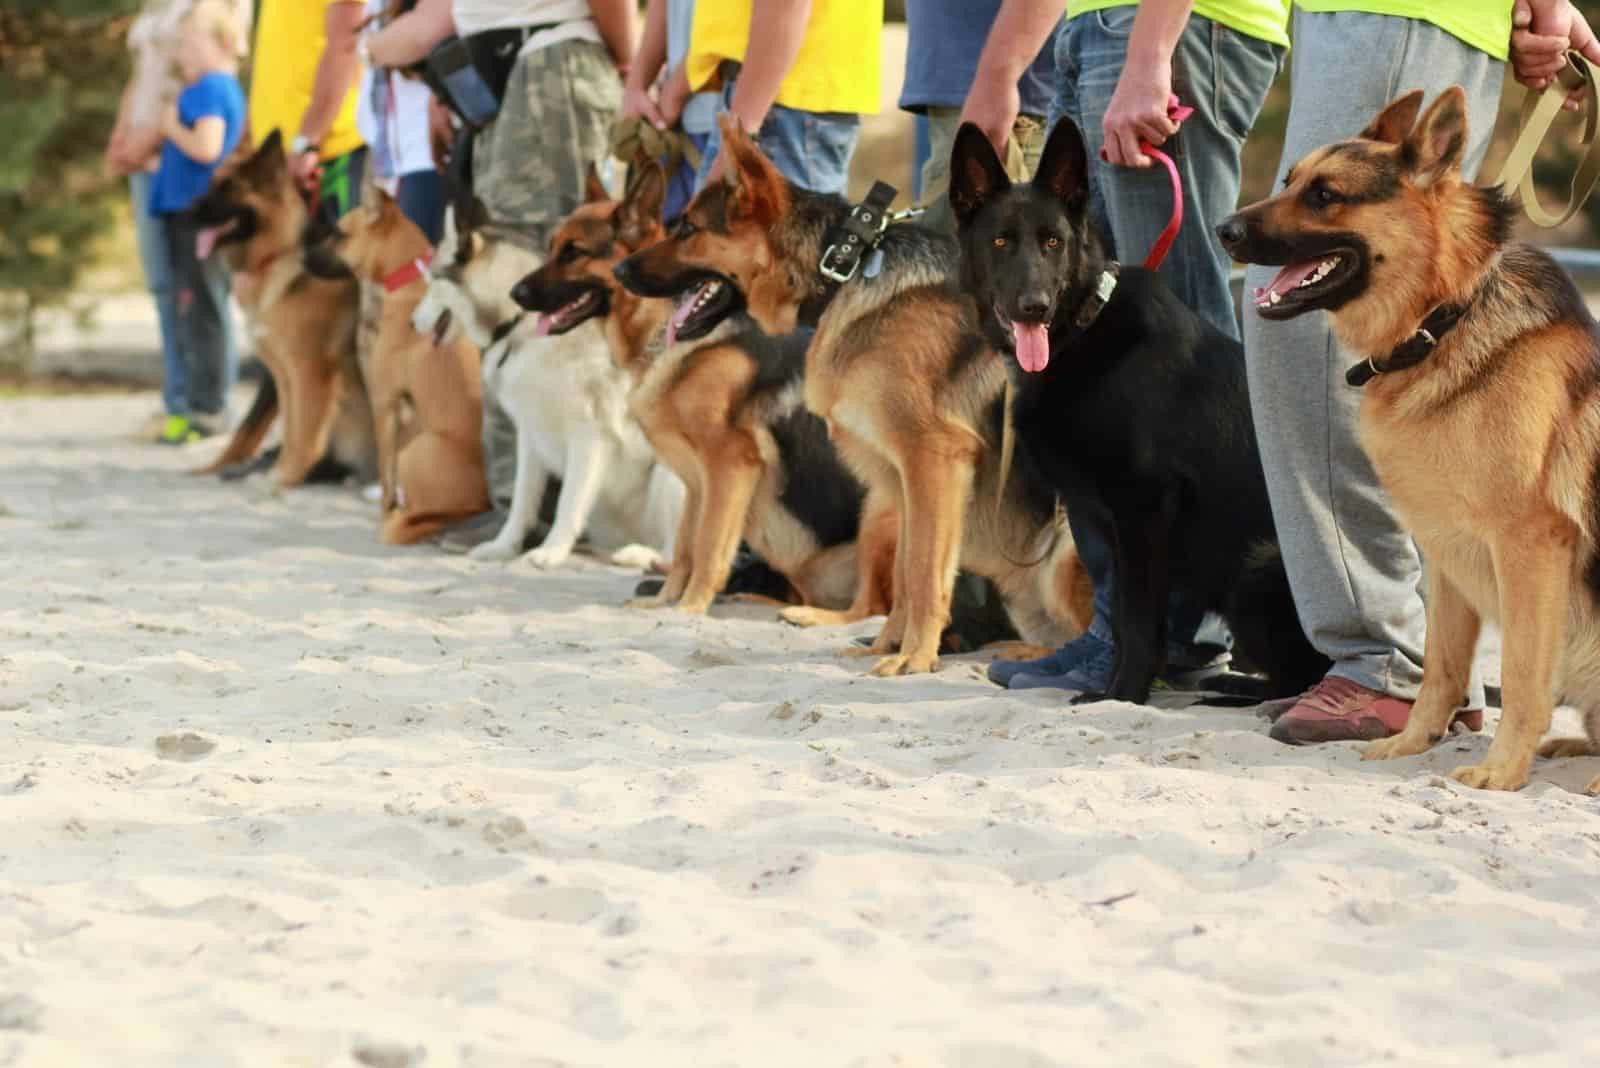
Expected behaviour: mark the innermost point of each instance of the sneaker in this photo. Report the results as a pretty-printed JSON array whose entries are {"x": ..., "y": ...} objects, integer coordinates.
[
  {"x": 209, "y": 424},
  {"x": 1091, "y": 674},
  {"x": 1339, "y": 710},
  {"x": 154, "y": 426},
  {"x": 1076, "y": 652},
  {"x": 179, "y": 430}
]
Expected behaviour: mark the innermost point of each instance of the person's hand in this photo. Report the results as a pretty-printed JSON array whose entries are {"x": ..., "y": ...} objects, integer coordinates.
[
  {"x": 170, "y": 121},
  {"x": 1138, "y": 112},
  {"x": 637, "y": 102},
  {"x": 117, "y": 160},
  {"x": 994, "y": 110},
  {"x": 304, "y": 169},
  {"x": 673, "y": 94},
  {"x": 1542, "y": 32}
]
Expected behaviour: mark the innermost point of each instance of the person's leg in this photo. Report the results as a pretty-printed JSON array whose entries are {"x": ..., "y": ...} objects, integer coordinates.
[
  {"x": 156, "y": 259},
  {"x": 1356, "y": 575},
  {"x": 202, "y": 308},
  {"x": 812, "y": 149},
  {"x": 421, "y": 197}
]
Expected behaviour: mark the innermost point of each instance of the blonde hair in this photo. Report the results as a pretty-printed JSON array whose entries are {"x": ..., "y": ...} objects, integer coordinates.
[{"x": 218, "y": 18}]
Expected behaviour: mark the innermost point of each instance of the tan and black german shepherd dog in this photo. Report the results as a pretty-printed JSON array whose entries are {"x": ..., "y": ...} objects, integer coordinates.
[
  {"x": 1488, "y": 441},
  {"x": 722, "y": 408},
  {"x": 303, "y": 327},
  {"x": 427, "y": 398},
  {"x": 912, "y": 396}
]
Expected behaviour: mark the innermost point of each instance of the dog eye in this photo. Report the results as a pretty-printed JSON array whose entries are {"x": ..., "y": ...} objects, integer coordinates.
[
  {"x": 569, "y": 252},
  {"x": 1052, "y": 241},
  {"x": 1000, "y": 242}
]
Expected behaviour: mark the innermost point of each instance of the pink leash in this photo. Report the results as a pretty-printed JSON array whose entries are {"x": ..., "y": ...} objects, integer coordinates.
[{"x": 1158, "y": 252}]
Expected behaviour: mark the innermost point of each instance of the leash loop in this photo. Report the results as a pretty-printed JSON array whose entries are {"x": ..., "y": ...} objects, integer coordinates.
[{"x": 1539, "y": 110}]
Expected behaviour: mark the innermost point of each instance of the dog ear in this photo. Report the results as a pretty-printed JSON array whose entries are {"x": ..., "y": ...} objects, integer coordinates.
[
  {"x": 1395, "y": 120},
  {"x": 759, "y": 190},
  {"x": 1433, "y": 148},
  {"x": 640, "y": 210},
  {"x": 976, "y": 173},
  {"x": 267, "y": 164},
  {"x": 593, "y": 188},
  {"x": 1064, "y": 165}
]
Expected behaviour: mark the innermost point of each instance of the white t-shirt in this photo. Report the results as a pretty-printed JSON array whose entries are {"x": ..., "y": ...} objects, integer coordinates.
[
  {"x": 392, "y": 115},
  {"x": 475, "y": 16}
]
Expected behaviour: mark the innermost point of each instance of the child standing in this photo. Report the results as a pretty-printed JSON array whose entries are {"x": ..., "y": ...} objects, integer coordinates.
[{"x": 200, "y": 130}]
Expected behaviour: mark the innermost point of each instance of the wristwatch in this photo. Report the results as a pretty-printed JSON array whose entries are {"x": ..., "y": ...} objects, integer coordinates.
[{"x": 301, "y": 145}]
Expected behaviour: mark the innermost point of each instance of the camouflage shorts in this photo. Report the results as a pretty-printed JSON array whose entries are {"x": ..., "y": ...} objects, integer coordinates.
[
  {"x": 529, "y": 163},
  {"x": 528, "y": 169}
]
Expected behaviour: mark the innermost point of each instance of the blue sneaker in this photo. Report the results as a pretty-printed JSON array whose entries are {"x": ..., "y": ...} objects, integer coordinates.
[
  {"x": 1092, "y": 674},
  {"x": 1078, "y": 651}
]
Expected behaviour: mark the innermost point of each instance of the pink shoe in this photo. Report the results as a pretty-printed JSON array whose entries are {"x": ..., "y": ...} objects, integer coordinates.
[{"x": 1338, "y": 710}]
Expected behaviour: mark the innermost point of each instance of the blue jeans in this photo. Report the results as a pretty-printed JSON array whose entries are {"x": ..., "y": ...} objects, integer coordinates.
[
  {"x": 205, "y": 329},
  {"x": 1224, "y": 75},
  {"x": 812, "y": 149},
  {"x": 421, "y": 197},
  {"x": 683, "y": 181},
  {"x": 157, "y": 264}
]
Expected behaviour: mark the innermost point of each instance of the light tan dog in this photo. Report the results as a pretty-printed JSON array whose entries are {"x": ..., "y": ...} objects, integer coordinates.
[
  {"x": 1486, "y": 431},
  {"x": 427, "y": 397}
]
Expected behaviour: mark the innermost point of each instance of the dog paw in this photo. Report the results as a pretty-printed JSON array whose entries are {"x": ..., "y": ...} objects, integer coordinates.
[
  {"x": 1568, "y": 747},
  {"x": 1489, "y": 777},
  {"x": 904, "y": 664},
  {"x": 1594, "y": 787},
  {"x": 1088, "y": 697},
  {"x": 493, "y": 551},
  {"x": 646, "y": 603},
  {"x": 1401, "y": 745},
  {"x": 640, "y": 556},
  {"x": 548, "y": 556},
  {"x": 695, "y": 606}
]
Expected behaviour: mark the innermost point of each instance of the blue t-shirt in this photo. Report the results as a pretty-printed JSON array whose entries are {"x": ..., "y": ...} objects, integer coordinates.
[
  {"x": 945, "y": 38},
  {"x": 181, "y": 181}
]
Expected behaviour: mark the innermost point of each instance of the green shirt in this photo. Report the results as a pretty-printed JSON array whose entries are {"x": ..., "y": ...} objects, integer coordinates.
[
  {"x": 1266, "y": 19},
  {"x": 1483, "y": 24}
]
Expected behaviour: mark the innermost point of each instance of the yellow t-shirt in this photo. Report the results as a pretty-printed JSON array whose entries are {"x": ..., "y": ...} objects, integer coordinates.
[
  {"x": 290, "y": 35},
  {"x": 836, "y": 70},
  {"x": 1267, "y": 20},
  {"x": 1483, "y": 24}
]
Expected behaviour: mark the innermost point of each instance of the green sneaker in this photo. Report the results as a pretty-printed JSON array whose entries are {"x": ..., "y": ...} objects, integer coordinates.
[{"x": 181, "y": 431}]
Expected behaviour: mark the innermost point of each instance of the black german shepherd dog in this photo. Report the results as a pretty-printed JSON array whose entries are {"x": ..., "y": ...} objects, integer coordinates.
[{"x": 1137, "y": 416}]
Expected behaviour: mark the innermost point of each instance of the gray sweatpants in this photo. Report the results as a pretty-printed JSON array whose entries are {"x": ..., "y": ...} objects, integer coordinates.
[{"x": 1357, "y": 576}]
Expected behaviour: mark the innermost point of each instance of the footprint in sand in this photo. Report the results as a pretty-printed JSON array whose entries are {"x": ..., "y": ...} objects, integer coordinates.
[
  {"x": 388, "y": 1055},
  {"x": 185, "y": 745}
]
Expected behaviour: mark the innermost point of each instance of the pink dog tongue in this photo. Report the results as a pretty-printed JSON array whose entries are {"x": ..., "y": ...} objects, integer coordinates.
[
  {"x": 206, "y": 241},
  {"x": 1288, "y": 278},
  {"x": 1032, "y": 342},
  {"x": 681, "y": 314},
  {"x": 541, "y": 325}
]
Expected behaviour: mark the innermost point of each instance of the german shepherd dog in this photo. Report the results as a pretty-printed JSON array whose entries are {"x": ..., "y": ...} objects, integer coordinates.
[
  {"x": 910, "y": 393},
  {"x": 721, "y": 406},
  {"x": 427, "y": 399},
  {"x": 304, "y": 327},
  {"x": 1489, "y": 444},
  {"x": 1137, "y": 415}
]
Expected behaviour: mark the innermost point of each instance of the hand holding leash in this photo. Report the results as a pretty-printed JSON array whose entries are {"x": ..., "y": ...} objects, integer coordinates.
[
  {"x": 1576, "y": 79},
  {"x": 1176, "y": 113}
]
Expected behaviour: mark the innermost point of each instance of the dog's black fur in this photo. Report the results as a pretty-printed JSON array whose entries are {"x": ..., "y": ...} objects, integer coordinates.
[{"x": 1140, "y": 421}]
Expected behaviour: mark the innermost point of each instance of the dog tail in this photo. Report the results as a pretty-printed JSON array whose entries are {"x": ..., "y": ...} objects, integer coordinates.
[{"x": 1266, "y": 625}]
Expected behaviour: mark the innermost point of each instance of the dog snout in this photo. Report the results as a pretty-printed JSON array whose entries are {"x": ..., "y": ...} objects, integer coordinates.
[
  {"x": 627, "y": 274},
  {"x": 1034, "y": 307},
  {"x": 523, "y": 292},
  {"x": 1232, "y": 231}
]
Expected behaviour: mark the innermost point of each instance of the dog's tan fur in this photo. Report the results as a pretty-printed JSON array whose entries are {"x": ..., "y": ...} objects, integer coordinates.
[
  {"x": 427, "y": 399},
  {"x": 303, "y": 327},
  {"x": 904, "y": 411},
  {"x": 694, "y": 402},
  {"x": 1490, "y": 447}
]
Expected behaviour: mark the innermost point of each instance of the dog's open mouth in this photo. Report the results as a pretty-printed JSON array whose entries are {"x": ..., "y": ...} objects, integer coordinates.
[
  {"x": 1306, "y": 284},
  {"x": 701, "y": 308},
  {"x": 1029, "y": 341},
  {"x": 582, "y": 308},
  {"x": 207, "y": 240}
]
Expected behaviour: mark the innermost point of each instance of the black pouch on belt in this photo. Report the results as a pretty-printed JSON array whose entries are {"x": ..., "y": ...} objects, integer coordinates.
[{"x": 469, "y": 74}]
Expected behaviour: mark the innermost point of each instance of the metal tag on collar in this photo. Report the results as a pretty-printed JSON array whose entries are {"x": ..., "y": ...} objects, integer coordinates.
[{"x": 1106, "y": 286}]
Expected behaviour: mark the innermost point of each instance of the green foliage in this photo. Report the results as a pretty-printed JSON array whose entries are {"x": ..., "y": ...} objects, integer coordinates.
[{"x": 62, "y": 67}]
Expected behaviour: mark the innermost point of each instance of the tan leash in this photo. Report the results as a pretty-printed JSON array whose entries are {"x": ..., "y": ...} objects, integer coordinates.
[
  {"x": 634, "y": 138},
  {"x": 1539, "y": 110}
]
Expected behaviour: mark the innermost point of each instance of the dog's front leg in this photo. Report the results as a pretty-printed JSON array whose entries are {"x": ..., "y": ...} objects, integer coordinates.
[
  {"x": 589, "y": 456},
  {"x": 527, "y": 490},
  {"x": 1447, "y": 652},
  {"x": 1533, "y": 576},
  {"x": 936, "y": 484},
  {"x": 1140, "y": 577},
  {"x": 728, "y": 483}
]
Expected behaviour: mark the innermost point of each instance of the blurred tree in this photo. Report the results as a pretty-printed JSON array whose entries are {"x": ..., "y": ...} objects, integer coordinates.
[{"x": 62, "y": 67}]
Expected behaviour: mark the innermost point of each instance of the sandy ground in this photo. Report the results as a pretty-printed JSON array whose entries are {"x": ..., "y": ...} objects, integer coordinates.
[{"x": 275, "y": 795}]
